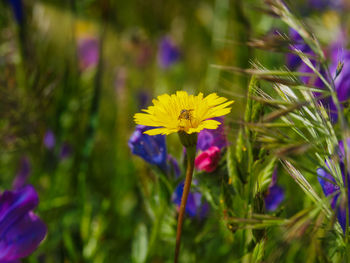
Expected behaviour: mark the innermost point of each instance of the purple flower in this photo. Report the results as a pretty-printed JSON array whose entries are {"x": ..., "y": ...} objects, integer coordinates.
[
  {"x": 208, "y": 138},
  {"x": 168, "y": 53},
  {"x": 312, "y": 80},
  {"x": 150, "y": 148},
  {"x": 342, "y": 81},
  {"x": 195, "y": 206},
  {"x": 324, "y": 4},
  {"x": 22, "y": 174},
  {"x": 21, "y": 231},
  {"x": 49, "y": 139},
  {"x": 88, "y": 52},
  {"x": 66, "y": 151},
  {"x": 330, "y": 187},
  {"x": 319, "y": 4},
  {"x": 17, "y": 9},
  {"x": 293, "y": 60},
  {"x": 274, "y": 195},
  {"x": 315, "y": 81}
]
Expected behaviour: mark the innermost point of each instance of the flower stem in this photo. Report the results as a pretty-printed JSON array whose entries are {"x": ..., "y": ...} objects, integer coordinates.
[{"x": 191, "y": 153}]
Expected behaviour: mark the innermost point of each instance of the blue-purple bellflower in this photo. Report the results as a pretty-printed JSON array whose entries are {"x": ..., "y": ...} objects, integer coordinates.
[
  {"x": 150, "y": 148},
  {"x": 330, "y": 187},
  {"x": 195, "y": 206},
  {"x": 21, "y": 231},
  {"x": 274, "y": 195},
  {"x": 168, "y": 53}
]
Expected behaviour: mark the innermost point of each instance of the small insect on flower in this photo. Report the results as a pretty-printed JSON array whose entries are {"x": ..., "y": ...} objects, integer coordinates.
[{"x": 186, "y": 114}]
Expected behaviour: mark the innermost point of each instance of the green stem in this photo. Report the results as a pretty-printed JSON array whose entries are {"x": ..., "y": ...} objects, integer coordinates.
[
  {"x": 158, "y": 221},
  {"x": 191, "y": 153}
]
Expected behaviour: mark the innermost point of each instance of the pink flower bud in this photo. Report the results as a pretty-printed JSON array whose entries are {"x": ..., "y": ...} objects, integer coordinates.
[{"x": 208, "y": 160}]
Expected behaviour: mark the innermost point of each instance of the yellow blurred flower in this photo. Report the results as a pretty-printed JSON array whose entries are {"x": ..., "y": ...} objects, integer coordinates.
[
  {"x": 181, "y": 112},
  {"x": 85, "y": 29}
]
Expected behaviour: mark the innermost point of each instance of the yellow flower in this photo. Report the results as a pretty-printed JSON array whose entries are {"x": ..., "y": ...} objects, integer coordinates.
[{"x": 183, "y": 112}]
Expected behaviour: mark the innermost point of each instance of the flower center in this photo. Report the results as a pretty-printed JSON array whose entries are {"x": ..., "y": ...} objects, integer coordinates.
[{"x": 185, "y": 115}]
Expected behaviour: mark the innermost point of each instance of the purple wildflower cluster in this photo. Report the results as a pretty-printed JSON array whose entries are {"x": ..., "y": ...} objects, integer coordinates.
[
  {"x": 340, "y": 73},
  {"x": 153, "y": 150},
  {"x": 339, "y": 68},
  {"x": 210, "y": 143},
  {"x": 338, "y": 56}
]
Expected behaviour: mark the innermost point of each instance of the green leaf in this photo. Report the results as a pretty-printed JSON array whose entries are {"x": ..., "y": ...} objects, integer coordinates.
[
  {"x": 258, "y": 252},
  {"x": 232, "y": 171},
  {"x": 264, "y": 172},
  {"x": 140, "y": 244}
]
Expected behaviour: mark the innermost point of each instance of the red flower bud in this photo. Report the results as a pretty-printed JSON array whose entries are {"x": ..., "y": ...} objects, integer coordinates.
[{"x": 208, "y": 160}]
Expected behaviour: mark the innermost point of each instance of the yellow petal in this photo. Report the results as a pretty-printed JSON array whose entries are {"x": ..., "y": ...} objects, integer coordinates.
[{"x": 157, "y": 131}]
